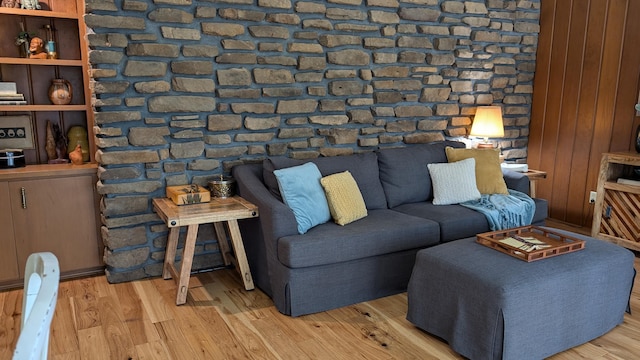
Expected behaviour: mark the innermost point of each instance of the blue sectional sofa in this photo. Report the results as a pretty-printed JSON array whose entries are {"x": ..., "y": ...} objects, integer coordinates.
[{"x": 331, "y": 266}]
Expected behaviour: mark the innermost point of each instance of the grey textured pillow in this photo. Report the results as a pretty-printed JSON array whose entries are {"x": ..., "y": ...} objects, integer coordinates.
[{"x": 455, "y": 182}]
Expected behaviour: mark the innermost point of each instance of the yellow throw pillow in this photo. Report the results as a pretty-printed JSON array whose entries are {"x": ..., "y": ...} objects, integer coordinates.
[
  {"x": 344, "y": 198},
  {"x": 488, "y": 172}
]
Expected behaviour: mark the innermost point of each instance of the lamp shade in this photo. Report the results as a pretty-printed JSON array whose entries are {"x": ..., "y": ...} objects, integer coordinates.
[{"x": 488, "y": 122}]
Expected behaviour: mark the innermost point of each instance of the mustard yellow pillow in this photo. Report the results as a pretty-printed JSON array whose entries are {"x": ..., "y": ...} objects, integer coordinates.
[
  {"x": 488, "y": 172},
  {"x": 344, "y": 198}
]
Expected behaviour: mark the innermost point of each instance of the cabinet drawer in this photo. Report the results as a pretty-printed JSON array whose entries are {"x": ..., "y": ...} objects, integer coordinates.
[{"x": 621, "y": 215}]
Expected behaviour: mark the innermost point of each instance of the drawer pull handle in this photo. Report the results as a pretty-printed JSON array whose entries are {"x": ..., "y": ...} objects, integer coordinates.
[{"x": 23, "y": 194}]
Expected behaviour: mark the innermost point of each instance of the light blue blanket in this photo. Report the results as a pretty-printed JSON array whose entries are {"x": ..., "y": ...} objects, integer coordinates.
[{"x": 504, "y": 211}]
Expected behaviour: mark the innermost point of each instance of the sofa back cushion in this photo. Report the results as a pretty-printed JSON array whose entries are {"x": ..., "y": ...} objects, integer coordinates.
[
  {"x": 363, "y": 167},
  {"x": 404, "y": 173}
]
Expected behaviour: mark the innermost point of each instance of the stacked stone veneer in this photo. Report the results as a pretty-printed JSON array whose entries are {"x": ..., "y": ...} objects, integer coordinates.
[{"x": 186, "y": 89}]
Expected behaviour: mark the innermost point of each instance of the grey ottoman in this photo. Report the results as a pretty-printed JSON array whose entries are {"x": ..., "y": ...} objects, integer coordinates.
[{"x": 489, "y": 305}]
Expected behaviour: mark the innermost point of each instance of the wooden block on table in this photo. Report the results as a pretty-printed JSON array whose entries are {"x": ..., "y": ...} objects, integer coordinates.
[{"x": 188, "y": 194}]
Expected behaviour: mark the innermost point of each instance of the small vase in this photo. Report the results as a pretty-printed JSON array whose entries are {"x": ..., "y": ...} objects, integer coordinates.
[
  {"x": 77, "y": 135},
  {"x": 638, "y": 139},
  {"x": 24, "y": 50},
  {"x": 60, "y": 92}
]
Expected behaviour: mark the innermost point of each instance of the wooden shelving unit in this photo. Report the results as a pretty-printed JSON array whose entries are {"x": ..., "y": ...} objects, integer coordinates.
[
  {"x": 616, "y": 216},
  {"x": 49, "y": 207},
  {"x": 33, "y": 76}
]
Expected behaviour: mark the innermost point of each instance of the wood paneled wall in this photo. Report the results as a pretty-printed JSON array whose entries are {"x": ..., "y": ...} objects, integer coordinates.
[{"x": 585, "y": 88}]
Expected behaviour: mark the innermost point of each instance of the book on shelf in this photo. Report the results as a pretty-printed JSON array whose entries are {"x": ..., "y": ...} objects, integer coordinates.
[
  {"x": 8, "y": 87},
  {"x": 13, "y": 97},
  {"x": 13, "y": 102},
  {"x": 628, "y": 181}
]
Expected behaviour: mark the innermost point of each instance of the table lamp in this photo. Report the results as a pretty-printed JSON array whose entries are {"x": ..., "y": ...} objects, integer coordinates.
[{"x": 487, "y": 123}]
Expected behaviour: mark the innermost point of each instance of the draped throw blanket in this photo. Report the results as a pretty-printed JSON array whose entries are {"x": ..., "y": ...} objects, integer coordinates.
[{"x": 504, "y": 211}]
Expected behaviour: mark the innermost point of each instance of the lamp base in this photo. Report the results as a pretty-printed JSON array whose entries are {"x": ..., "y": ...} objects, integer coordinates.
[{"x": 485, "y": 146}]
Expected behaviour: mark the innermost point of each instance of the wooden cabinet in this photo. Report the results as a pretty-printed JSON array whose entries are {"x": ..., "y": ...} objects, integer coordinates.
[
  {"x": 33, "y": 77},
  {"x": 617, "y": 209},
  {"x": 49, "y": 211},
  {"x": 8, "y": 260}
]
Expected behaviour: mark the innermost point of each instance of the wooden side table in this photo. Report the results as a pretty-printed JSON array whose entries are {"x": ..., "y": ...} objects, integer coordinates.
[
  {"x": 224, "y": 214},
  {"x": 534, "y": 175}
]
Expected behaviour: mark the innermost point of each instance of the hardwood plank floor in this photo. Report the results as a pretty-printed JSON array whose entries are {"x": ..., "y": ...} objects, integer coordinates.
[{"x": 139, "y": 320}]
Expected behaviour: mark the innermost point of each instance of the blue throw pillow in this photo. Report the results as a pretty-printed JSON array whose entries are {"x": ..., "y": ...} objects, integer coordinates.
[{"x": 302, "y": 192}]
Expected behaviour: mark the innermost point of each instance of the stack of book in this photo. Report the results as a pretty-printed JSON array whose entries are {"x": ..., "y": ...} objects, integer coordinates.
[
  {"x": 9, "y": 94},
  {"x": 628, "y": 181}
]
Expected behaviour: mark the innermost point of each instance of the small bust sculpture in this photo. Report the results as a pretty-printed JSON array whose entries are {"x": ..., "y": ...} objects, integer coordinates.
[
  {"x": 10, "y": 3},
  {"x": 36, "y": 49}
]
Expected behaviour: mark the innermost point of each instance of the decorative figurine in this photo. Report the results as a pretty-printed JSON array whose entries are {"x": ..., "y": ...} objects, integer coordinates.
[
  {"x": 30, "y": 4},
  {"x": 76, "y": 155},
  {"x": 22, "y": 41},
  {"x": 50, "y": 143},
  {"x": 36, "y": 49},
  {"x": 10, "y": 3},
  {"x": 60, "y": 146}
]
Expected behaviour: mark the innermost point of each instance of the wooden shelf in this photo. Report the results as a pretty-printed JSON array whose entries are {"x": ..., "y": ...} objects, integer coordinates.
[
  {"x": 43, "y": 62},
  {"x": 610, "y": 185},
  {"x": 18, "y": 108},
  {"x": 47, "y": 170},
  {"x": 41, "y": 13}
]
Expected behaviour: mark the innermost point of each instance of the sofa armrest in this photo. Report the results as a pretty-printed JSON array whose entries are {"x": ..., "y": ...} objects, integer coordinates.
[
  {"x": 260, "y": 235},
  {"x": 278, "y": 218},
  {"x": 516, "y": 181}
]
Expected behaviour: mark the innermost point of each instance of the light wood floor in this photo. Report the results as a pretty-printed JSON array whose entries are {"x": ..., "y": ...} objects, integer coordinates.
[{"x": 138, "y": 320}]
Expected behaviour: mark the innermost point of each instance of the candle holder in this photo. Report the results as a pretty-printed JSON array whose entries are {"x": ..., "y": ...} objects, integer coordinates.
[{"x": 222, "y": 187}]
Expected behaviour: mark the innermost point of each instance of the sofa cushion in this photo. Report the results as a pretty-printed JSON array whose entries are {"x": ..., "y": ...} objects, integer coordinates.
[
  {"x": 363, "y": 167},
  {"x": 488, "y": 171},
  {"x": 382, "y": 232},
  {"x": 301, "y": 191},
  {"x": 344, "y": 198},
  {"x": 404, "y": 174},
  {"x": 454, "y": 183},
  {"x": 455, "y": 221}
]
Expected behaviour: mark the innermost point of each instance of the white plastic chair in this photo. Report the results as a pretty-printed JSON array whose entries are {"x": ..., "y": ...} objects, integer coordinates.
[{"x": 41, "y": 279}]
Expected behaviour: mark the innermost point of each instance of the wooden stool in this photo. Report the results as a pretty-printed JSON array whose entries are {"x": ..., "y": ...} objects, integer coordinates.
[{"x": 224, "y": 214}]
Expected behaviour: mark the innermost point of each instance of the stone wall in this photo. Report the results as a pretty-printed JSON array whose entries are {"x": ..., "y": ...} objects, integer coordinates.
[{"x": 186, "y": 89}]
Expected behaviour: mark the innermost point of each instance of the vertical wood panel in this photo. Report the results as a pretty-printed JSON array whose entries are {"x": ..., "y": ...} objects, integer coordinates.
[
  {"x": 557, "y": 61},
  {"x": 624, "y": 126},
  {"x": 568, "y": 122},
  {"x": 585, "y": 88},
  {"x": 581, "y": 210},
  {"x": 541, "y": 83}
]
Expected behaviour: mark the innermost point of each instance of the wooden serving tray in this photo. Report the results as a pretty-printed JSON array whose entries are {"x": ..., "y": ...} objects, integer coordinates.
[{"x": 554, "y": 243}]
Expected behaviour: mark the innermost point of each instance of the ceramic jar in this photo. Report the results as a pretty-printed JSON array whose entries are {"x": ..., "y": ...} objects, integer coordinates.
[
  {"x": 60, "y": 92},
  {"x": 77, "y": 135}
]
